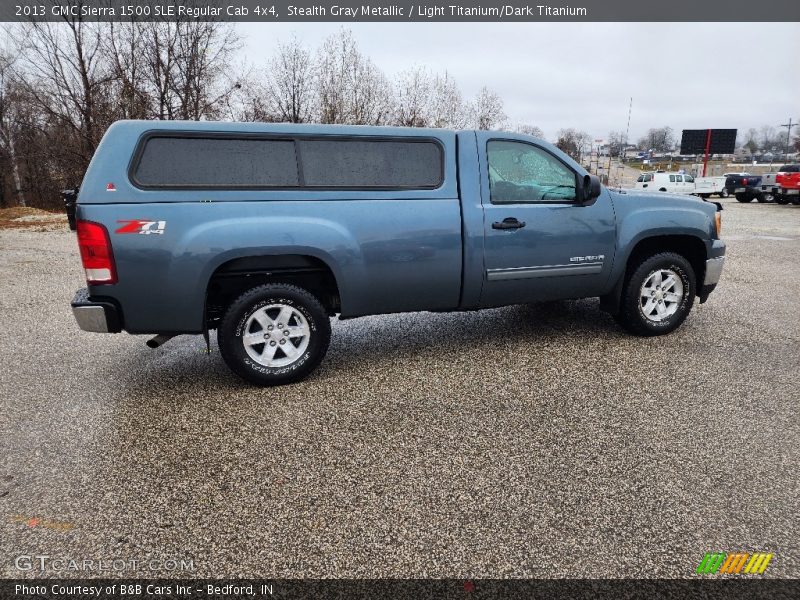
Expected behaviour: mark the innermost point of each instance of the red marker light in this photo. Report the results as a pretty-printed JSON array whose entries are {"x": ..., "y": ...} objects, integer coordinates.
[{"x": 111, "y": 187}]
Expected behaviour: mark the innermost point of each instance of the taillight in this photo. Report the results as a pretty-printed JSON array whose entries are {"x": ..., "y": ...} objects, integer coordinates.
[
  {"x": 96, "y": 255},
  {"x": 744, "y": 181}
]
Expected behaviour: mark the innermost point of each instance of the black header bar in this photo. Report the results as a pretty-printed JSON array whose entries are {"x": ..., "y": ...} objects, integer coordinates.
[{"x": 418, "y": 11}]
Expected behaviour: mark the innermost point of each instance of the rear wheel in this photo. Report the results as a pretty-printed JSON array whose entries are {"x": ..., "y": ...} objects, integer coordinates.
[
  {"x": 781, "y": 199},
  {"x": 744, "y": 198},
  {"x": 765, "y": 197},
  {"x": 658, "y": 295},
  {"x": 724, "y": 193},
  {"x": 274, "y": 334}
]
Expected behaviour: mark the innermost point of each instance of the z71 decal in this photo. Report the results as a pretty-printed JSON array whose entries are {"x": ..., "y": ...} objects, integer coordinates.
[{"x": 142, "y": 227}]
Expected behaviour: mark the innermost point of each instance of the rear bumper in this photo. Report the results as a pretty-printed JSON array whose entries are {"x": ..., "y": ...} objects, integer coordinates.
[
  {"x": 790, "y": 191},
  {"x": 744, "y": 189},
  {"x": 95, "y": 315}
]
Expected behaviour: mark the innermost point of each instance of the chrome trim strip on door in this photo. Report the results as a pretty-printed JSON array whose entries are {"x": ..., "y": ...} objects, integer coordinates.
[{"x": 543, "y": 271}]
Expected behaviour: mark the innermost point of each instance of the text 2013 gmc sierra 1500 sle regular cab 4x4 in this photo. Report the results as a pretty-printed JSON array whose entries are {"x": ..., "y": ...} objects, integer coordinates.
[{"x": 264, "y": 231}]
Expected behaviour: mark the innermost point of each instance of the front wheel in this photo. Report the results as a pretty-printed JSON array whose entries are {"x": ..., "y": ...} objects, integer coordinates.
[
  {"x": 744, "y": 198},
  {"x": 658, "y": 295},
  {"x": 765, "y": 197},
  {"x": 274, "y": 334},
  {"x": 724, "y": 193}
]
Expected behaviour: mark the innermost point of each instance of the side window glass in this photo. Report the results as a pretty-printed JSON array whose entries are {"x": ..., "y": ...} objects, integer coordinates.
[
  {"x": 688, "y": 179},
  {"x": 520, "y": 172}
]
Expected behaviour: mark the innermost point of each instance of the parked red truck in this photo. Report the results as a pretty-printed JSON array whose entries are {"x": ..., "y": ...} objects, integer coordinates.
[{"x": 787, "y": 182}]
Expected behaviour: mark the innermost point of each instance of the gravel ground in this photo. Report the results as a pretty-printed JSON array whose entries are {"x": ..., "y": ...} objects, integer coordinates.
[{"x": 530, "y": 441}]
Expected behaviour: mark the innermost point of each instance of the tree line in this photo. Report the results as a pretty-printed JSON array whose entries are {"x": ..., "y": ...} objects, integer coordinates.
[{"x": 63, "y": 84}]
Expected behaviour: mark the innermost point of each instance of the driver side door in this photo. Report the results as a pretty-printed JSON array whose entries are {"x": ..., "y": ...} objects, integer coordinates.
[{"x": 540, "y": 243}]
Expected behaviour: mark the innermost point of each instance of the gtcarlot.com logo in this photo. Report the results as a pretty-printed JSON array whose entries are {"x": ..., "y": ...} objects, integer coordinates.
[
  {"x": 43, "y": 563},
  {"x": 734, "y": 563}
]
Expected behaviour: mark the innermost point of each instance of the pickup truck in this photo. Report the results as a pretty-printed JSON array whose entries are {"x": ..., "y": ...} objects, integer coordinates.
[
  {"x": 706, "y": 186},
  {"x": 745, "y": 187},
  {"x": 265, "y": 231},
  {"x": 787, "y": 185}
]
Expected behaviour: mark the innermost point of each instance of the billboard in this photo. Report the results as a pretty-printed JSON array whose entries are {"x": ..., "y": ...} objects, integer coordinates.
[{"x": 693, "y": 141}]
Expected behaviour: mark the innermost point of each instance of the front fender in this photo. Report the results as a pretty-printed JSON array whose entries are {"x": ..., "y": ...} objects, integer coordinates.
[{"x": 642, "y": 216}]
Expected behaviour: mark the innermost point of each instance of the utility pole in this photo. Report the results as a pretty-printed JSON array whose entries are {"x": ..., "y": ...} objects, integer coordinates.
[{"x": 788, "y": 126}]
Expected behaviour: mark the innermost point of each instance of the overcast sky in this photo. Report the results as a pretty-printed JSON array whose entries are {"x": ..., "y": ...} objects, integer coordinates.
[{"x": 685, "y": 75}]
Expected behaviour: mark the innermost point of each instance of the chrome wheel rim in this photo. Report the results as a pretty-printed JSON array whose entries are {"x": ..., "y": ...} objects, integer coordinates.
[
  {"x": 276, "y": 335},
  {"x": 661, "y": 295}
]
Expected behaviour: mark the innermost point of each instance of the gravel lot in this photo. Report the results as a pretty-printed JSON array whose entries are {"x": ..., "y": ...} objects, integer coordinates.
[{"x": 531, "y": 441}]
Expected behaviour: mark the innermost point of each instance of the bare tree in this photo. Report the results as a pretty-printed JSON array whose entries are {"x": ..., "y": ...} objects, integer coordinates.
[
  {"x": 447, "y": 108},
  {"x": 751, "y": 141},
  {"x": 9, "y": 121},
  {"x": 290, "y": 86},
  {"x": 335, "y": 60},
  {"x": 63, "y": 73},
  {"x": 617, "y": 140},
  {"x": 769, "y": 138},
  {"x": 187, "y": 68},
  {"x": 124, "y": 49},
  {"x": 372, "y": 102},
  {"x": 531, "y": 130},
  {"x": 573, "y": 142},
  {"x": 659, "y": 139},
  {"x": 413, "y": 92},
  {"x": 349, "y": 87},
  {"x": 488, "y": 110}
]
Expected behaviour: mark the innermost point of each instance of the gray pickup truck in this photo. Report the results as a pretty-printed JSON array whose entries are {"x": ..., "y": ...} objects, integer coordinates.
[{"x": 263, "y": 232}]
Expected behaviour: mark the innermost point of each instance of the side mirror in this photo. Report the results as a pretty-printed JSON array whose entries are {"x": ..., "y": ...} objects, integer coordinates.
[{"x": 590, "y": 189}]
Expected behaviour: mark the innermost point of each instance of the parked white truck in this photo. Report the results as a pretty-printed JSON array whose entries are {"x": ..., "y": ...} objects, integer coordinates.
[{"x": 709, "y": 186}]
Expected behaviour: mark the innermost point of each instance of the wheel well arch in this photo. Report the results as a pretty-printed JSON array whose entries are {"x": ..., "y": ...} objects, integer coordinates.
[
  {"x": 691, "y": 247},
  {"x": 233, "y": 277}
]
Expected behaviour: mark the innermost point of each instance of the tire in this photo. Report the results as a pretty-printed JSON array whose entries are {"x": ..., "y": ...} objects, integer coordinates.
[
  {"x": 704, "y": 196},
  {"x": 662, "y": 189},
  {"x": 765, "y": 197},
  {"x": 795, "y": 200},
  {"x": 271, "y": 362},
  {"x": 677, "y": 299},
  {"x": 724, "y": 193},
  {"x": 781, "y": 199},
  {"x": 744, "y": 198}
]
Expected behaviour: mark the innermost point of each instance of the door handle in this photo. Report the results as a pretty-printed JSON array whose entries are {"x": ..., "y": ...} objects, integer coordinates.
[{"x": 508, "y": 223}]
